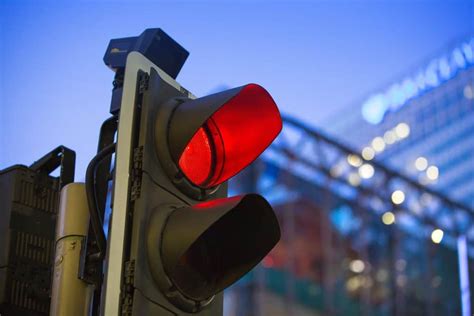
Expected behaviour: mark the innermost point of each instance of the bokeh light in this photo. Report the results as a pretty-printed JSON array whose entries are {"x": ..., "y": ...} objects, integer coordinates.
[
  {"x": 398, "y": 197},
  {"x": 378, "y": 144},
  {"x": 357, "y": 266},
  {"x": 421, "y": 163},
  {"x": 388, "y": 218},
  {"x": 437, "y": 236},
  {"x": 368, "y": 153},
  {"x": 432, "y": 172},
  {"x": 402, "y": 130},
  {"x": 366, "y": 171}
]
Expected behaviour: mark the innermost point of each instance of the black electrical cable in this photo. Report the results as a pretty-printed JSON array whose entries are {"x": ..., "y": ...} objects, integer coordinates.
[{"x": 92, "y": 200}]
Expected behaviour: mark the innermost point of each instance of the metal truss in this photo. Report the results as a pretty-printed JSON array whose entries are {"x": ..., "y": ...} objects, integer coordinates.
[{"x": 309, "y": 154}]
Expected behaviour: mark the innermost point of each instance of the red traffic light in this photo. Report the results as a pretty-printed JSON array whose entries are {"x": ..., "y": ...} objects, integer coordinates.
[
  {"x": 235, "y": 134},
  {"x": 198, "y": 242}
]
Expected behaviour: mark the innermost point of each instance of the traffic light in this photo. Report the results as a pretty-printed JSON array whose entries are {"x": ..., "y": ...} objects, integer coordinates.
[
  {"x": 188, "y": 241},
  {"x": 184, "y": 240}
]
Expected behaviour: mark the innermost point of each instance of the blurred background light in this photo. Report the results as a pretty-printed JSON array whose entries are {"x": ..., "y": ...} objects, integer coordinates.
[
  {"x": 398, "y": 197},
  {"x": 421, "y": 163},
  {"x": 354, "y": 160},
  {"x": 354, "y": 179},
  {"x": 402, "y": 130},
  {"x": 357, "y": 266},
  {"x": 390, "y": 137},
  {"x": 432, "y": 172},
  {"x": 378, "y": 144},
  {"x": 366, "y": 171},
  {"x": 437, "y": 236},
  {"x": 388, "y": 218},
  {"x": 368, "y": 153}
]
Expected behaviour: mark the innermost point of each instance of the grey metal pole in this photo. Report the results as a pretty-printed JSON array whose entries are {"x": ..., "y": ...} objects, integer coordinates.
[{"x": 70, "y": 295}]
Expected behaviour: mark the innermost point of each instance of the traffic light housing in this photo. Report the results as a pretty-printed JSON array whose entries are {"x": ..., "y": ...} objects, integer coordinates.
[
  {"x": 189, "y": 242},
  {"x": 184, "y": 241}
]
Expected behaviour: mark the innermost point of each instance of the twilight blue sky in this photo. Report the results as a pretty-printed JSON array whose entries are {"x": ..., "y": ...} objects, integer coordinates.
[{"x": 315, "y": 57}]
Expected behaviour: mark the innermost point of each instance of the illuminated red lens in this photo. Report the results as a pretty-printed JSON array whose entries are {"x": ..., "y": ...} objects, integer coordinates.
[
  {"x": 196, "y": 160},
  {"x": 233, "y": 137}
]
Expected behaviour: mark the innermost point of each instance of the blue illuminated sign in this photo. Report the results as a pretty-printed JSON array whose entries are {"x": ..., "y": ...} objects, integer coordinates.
[{"x": 435, "y": 73}]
